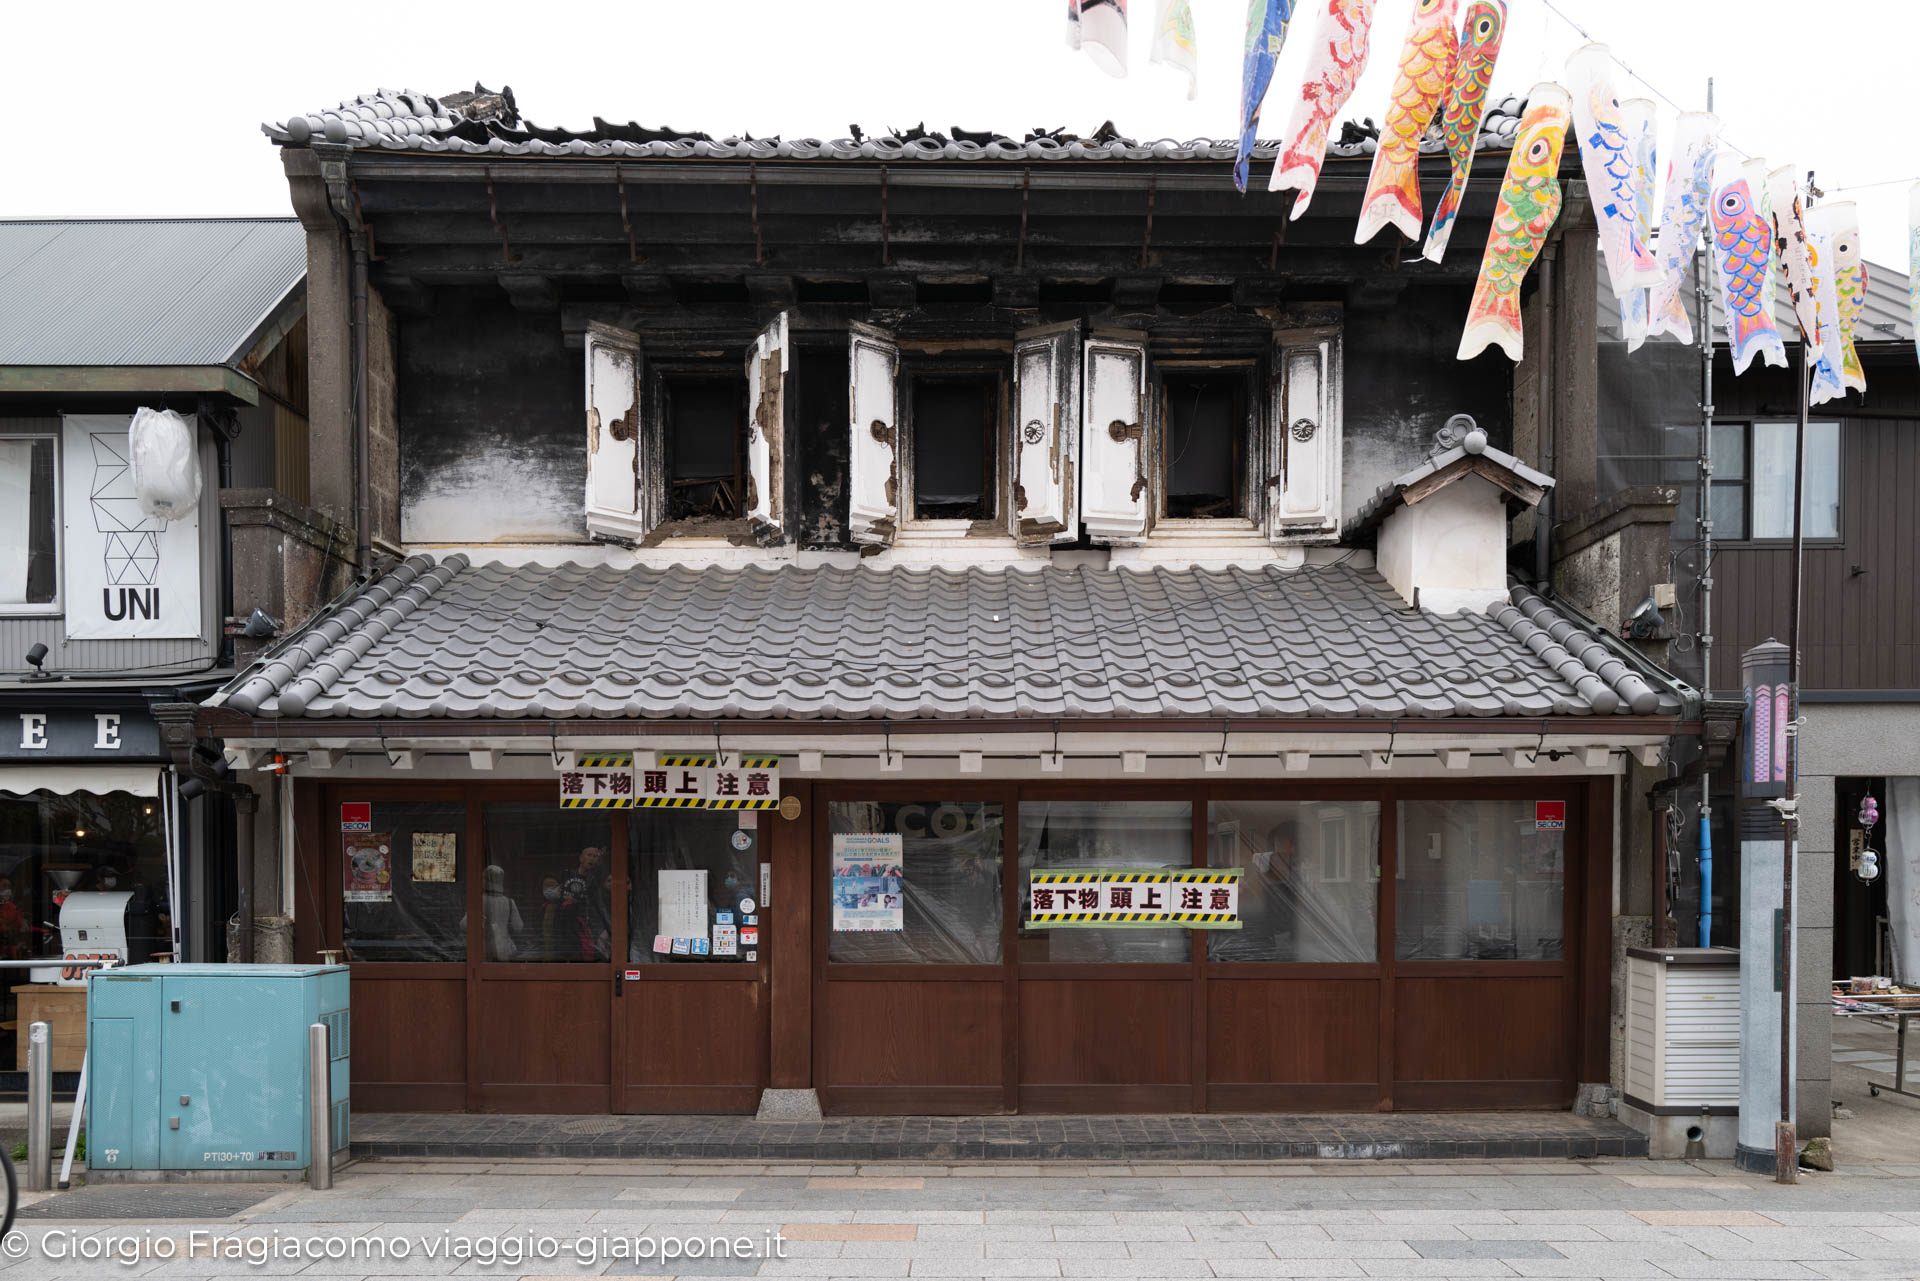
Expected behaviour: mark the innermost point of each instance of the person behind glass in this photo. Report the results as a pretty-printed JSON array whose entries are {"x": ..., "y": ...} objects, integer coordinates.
[
  {"x": 501, "y": 916},
  {"x": 1283, "y": 883},
  {"x": 586, "y": 921},
  {"x": 550, "y": 937}
]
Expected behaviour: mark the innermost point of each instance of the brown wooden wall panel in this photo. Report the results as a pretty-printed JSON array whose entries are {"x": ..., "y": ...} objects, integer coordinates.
[
  {"x": 544, "y": 1045},
  {"x": 696, "y": 1042},
  {"x": 1264, "y": 1031},
  {"x": 1482, "y": 1029},
  {"x": 925, "y": 1034},
  {"x": 409, "y": 1044},
  {"x": 1071, "y": 1029}
]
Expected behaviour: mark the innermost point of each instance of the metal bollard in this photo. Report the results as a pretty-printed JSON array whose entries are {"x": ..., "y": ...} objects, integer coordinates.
[
  {"x": 319, "y": 1108},
  {"x": 39, "y": 1108}
]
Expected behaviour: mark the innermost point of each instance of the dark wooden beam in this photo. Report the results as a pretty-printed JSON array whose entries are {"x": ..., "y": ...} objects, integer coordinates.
[
  {"x": 132, "y": 380},
  {"x": 530, "y": 291}
]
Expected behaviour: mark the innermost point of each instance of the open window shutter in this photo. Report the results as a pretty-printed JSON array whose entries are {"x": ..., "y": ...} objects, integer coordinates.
[
  {"x": 873, "y": 500},
  {"x": 1113, "y": 478},
  {"x": 615, "y": 433},
  {"x": 1303, "y": 483},
  {"x": 1046, "y": 393},
  {"x": 769, "y": 367}
]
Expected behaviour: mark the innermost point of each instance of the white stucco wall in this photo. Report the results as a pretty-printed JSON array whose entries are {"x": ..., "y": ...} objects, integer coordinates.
[{"x": 1448, "y": 552}]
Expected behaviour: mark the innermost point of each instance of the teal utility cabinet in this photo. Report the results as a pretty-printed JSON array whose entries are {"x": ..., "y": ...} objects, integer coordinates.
[{"x": 204, "y": 1067}]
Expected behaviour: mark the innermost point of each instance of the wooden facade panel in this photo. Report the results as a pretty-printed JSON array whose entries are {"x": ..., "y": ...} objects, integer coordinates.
[
  {"x": 692, "y": 1046},
  {"x": 924, "y": 1033},
  {"x": 409, "y": 1047},
  {"x": 1293, "y": 1030},
  {"x": 1069, "y": 1028},
  {"x": 1482, "y": 1029},
  {"x": 545, "y": 1032}
]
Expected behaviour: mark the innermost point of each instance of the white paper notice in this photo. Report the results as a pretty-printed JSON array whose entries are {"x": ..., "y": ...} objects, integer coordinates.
[{"x": 683, "y": 904}]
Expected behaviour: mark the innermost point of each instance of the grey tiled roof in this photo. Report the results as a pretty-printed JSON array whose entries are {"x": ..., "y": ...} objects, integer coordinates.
[
  {"x": 1387, "y": 497},
  {"x": 487, "y": 123},
  {"x": 451, "y": 639}
]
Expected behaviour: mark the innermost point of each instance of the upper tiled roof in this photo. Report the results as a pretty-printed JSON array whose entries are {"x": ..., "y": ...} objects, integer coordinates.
[
  {"x": 487, "y": 123},
  {"x": 451, "y": 639},
  {"x": 162, "y": 291},
  {"x": 1885, "y": 315}
]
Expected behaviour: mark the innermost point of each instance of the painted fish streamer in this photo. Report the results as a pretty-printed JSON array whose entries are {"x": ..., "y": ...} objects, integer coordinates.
[
  {"x": 1100, "y": 28},
  {"x": 1606, "y": 159},
  {"x": 1696, "y": 141},
  {"x": 1824, "y": 355},
  {"x": 1850, "y": 285},
  {"x": 1913, "y": 263},
  {"x": 1266, "y": 37},
  {"x": 1419, "y": 86},
  {"x": 1174, "y": 45},
  {"x": 1466, "y": 107},
  {"x": 1790, "y": 248},
  {"x": 1637, "y": 116},
  {"x": 1340, "y": 45},
  {"x": 1743, "y": 253},
  {"x": 1529, "y": 203}
]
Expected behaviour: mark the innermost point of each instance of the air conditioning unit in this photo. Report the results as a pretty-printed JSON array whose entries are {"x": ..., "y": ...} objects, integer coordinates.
[{"x": 1682, "y": 1074}]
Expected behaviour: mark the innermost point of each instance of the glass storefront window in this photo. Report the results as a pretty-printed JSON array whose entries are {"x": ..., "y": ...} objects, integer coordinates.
[
  {"x": 1478, "y": 881},
  {"x": 404, "y": 883},
  {"x": 78, "y": 841},
  {"x": 726, "y": 860},
  {"x": 547, "y": 890},
  {"x": 1124, "y": 834},
  {"x": 948, "y": 883},
  {"x": 1309, "y": 885}
]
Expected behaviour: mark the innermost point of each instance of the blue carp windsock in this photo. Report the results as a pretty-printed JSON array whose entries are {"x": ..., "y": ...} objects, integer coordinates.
[
  {"x": 1636, "y": 114},
  {"x": 1607, "y": 160},
  {"x": 1790, "y": 250},
  {"x": 1266, "y": 37},
  {"x": 1913, "y": 263},
  {"x": 1466, "y": 107},
  {"x": 1341, "y": 42},
  {"x": 1529, "y": 203},
  {"x": 1419, "y": 87},
  {"x": 1743, "y": 252},
  {"x": 1825, "y": 356},
  {"x": 1696, "y": 141},
  {"x": 1850, "y": 284}
]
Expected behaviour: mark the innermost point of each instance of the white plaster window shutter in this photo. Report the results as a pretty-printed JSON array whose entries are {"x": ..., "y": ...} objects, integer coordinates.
[
  {"x": 769, "y": 375},
  {"x": 1303, "y": 494},
  {"x": 615, "y": 431},
  {"x": 1046, "y": 391},
  {"x": 873, "y": 500},
  {"x": 1113, "y": 476}
]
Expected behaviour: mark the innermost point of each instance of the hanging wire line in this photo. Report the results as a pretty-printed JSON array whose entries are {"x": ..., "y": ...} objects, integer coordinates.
[{"x": 1862, "y": 186}]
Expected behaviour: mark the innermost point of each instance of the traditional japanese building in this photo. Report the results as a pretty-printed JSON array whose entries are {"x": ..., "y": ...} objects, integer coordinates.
[{"x": 943, "y": 623}]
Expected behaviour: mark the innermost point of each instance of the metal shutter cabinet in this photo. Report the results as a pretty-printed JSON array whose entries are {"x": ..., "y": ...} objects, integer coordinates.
[
  {"x": 204, "y": 1067},
  {"x": 1681, "y": 1077}
]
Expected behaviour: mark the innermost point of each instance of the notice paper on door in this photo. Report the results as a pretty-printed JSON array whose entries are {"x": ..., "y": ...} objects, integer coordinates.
[
  {"x": 683, "y": 903},
  {"x": 869, "y": 880}
]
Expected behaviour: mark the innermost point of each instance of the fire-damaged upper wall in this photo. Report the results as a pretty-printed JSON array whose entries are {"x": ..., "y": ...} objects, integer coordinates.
[{"x": 508, "y": 255}]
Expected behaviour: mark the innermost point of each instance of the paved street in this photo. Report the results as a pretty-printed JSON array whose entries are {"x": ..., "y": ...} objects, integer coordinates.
[{"x": 1602, "y": 1219}]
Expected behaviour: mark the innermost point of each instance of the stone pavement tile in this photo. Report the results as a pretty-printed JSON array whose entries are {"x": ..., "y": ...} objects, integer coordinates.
[
  {"x": 1315, "y": 1214},
  {"x": 1008, "y": 1171},
  {"x": 850, "y": 1231},
  {"x": 919, "y": 1216},
  {"x": 1443, "y": 1249},
  {"x": 1318, "y": 1268},
  {"x": 963, "y": 1233},
  {"x": 1908, "y": 1232},
  {"x": 728, "y": 1171},
  {"x": 1192, "y": 1219},
  {"x": 704, "y": 1193},
  {"x": 1527, "y": 1232},
  {"x": 837, "y": 1267},
  {"x": 1580, "y": 1268},
  {"x": 1057, "y": 1218},
  {"x": 1860, "y": 1246},
  {"x": 1435, "y": 1268},
  {"x": 1019, "y": 1249},
  {"x": 908, "y": 1169},
  {"x": 949, "y": 1267},
  {"x": 1455, "y": 1217},
  {"x": 1310, "y": 1249},
  {"x": 1595, "y": 1217},
  {"x": 1704, "y": 1218},
  {"x": 1377, "y": 1231},
  {"x": 867, "y": 1183},
  {"x": 1678, "y": 1181},
  {"x": 1749, "y": 1270},
  {"x": 1114, "y": 1232},
  {"x": 1836, "y": 1218},
  {"x": 774, "y": 1218},
  {"x": 1360, "y": 1169}
]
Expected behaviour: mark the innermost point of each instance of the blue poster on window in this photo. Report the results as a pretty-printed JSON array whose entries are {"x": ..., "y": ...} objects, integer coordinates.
[{"x": 869, "y": 881}]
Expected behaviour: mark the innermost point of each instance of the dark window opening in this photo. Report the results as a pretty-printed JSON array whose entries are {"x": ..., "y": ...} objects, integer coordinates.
[
  {"x": 954, "y": 429},
  {"x": 979, "y": 292},
  {"x": 706, "y": 422},
  {"x": 29, "y": 538},
  {"x": 1205, "y": 443}
]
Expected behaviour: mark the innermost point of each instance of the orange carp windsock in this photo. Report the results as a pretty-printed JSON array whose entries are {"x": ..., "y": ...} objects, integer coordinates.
[
  {"x": 1529, "y": 203},
  {"x": 1419, "y": 87},
  {"x": 1340, "y": 46}
]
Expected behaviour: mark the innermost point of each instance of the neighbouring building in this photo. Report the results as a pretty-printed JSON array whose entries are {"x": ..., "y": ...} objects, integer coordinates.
[
  {"x": 819, "y": 566},
  {"x": 114, "y": 622}
]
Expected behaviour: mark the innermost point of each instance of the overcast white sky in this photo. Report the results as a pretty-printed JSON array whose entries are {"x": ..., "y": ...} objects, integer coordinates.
[{"x": 153, "y": 109}]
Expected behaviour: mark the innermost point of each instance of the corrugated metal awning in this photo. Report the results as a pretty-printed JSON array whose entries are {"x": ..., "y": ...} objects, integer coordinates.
[{"x": 22, "y": 780}]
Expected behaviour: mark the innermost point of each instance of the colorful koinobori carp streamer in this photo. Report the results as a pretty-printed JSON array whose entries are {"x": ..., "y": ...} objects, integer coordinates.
[
  {"x": 1173, "y": 43},
  {"x": 1419, "y": 87},
  {"x": 1636, "y": 114},
  {"x": 1696, "y": 141},
  {"x": 1100, "y": 28},
  {"x": 1743, "y": 252},
  {"x": 1850, "y": 284},
  {"x": 1466, "y": 107},
  {"x": 1606, "y": 158},
  {"x": 1340, "y": 45},
  {"x": 1266, "y": 37},
  {"x": 1913, "y": 263},
  {"x": 1790, "y": 250},
  {"x": 1825, "y": 355},
  {"x": 1529, "y": 202}
]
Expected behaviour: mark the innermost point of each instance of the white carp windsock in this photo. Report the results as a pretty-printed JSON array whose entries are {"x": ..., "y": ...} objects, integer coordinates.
[
  {"x": 1850, "y": 284},
  {"x": 1791, "y": 252},
  {"x": 1341, "y": 41},
  {"x": 1913, "y": 263},
  {"x": 1696, "y": 141},
  {"x": 1824, "y": 355},
  {"x": 1607, "y": 161},
  {"x": 1636, "y": 115}
]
